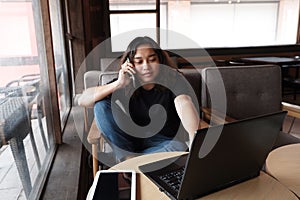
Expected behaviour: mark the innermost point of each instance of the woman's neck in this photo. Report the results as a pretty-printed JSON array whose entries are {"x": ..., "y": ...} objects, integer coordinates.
[{"x": 148, "y": 86}]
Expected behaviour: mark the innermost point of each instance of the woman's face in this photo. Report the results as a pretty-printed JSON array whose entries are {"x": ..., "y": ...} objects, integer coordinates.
[{"x": 146, "y": 64}]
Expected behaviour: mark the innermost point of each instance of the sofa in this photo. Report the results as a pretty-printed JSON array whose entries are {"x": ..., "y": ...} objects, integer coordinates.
[{"x": 250, "y": 91}]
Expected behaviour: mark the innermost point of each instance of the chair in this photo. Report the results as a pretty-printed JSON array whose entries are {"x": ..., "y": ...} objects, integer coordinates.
[
  {"x": 30, "y": 84},
  {"x": 14, "y": 127},
  {"x": 95, "y": 138},
  {"x": 17, "y": 110},
  {"x": 290, "y": 80},
  {"x": 249, "y": 91}
]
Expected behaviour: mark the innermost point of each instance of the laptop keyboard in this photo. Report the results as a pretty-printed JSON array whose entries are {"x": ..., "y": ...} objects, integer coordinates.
[{"x": 173, "y": 179}]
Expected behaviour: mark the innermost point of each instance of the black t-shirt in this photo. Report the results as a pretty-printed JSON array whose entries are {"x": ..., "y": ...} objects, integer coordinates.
[
  {"x": 139, "y": 108},
  {"x": 142, "y": 100}
]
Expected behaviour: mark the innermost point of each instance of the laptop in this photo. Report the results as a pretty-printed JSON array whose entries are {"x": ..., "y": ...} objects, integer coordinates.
[{"x": 220, "y": 156}]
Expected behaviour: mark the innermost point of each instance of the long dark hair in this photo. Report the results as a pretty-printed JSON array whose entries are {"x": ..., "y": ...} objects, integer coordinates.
[
  {"x": 166, "y": 75},
  {"x": 138, "y": 41}
]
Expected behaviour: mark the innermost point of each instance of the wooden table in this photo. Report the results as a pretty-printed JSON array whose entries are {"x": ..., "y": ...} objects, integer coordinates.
[
  {"x": 262, "y": 187},
  {"x": 284, "y": 164}
]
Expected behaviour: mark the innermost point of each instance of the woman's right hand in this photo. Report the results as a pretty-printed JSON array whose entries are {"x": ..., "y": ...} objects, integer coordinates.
[
  {"x": 127, "y": 69},
  {"x": 93, "y": 94}
]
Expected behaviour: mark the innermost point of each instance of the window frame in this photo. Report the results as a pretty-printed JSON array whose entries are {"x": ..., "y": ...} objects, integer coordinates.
[
  {"x": 189, "y": 51},
  {"x": 155, "y": 11}
]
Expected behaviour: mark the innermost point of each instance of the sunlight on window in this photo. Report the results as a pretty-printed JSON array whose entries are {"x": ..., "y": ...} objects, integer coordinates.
[{"x": 216, "y": 23}]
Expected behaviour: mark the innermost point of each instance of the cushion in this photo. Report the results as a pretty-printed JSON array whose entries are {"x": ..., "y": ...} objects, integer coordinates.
[
  {"x": 109, "y": 64},
  {"x": 250, "y": 90}
]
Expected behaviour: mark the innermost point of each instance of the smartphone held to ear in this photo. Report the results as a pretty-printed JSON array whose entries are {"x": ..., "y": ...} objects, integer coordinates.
[
  {"x": 132, "y": 76},
  {"x": 114, "y": 185},
  {"x": 133, "y": 80}
]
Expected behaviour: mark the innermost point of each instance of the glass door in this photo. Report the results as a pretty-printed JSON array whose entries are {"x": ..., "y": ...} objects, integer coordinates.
[
  {"x": 27, "y": 143},
  {"x": 61, "y": 69}
]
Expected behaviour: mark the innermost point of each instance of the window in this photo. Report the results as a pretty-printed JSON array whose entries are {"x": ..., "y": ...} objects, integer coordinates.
[
  {"x": 61, "y": 70},
  {"x": 130, "y": 15},
  {"x": 214, "y": 23},
  {"x": 27, "y": 142}
]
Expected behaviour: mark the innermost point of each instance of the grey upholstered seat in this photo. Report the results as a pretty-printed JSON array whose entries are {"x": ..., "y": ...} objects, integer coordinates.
[{"x": 249, "y": 91}]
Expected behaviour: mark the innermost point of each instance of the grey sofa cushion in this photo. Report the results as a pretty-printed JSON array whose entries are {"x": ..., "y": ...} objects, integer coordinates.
[
  {"x": 106, "y": 77},
  {"x": 109, "y": 64},
  {"x": 250, "y": 90},
  {"x": 95, "y": 78},
  {"x": 91, "y": 78}
]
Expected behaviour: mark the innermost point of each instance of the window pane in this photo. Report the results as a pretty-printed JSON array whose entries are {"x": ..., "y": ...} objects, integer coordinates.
[
  {"x": 62, "y": 79},
  {"x": 25, "y": 143},
  {"x": 132, "y": 5},
  {"x": 232, "y": 23},
  {"x": 121, "y": 23},
  {"x": 217, "y": 23}
]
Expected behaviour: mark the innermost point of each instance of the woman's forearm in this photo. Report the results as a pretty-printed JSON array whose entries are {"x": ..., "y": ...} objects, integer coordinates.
[
  {"x": 94, "y": 94},
  {"x": 187, "y": 114}
]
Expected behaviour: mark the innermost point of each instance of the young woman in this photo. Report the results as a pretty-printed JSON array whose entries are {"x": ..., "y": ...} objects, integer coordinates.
[{"x": 142, "y": 110}]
